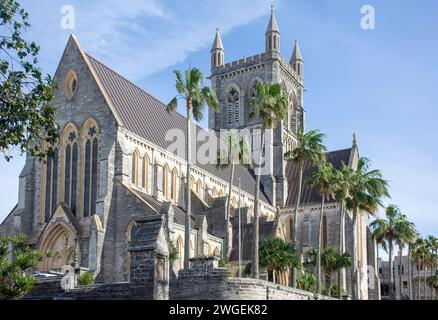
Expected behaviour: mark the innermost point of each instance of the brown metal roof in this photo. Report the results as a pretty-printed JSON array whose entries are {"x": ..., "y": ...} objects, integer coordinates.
[
  {"x": 147, "y": 117},
  {"x": 308, "y": 194}
]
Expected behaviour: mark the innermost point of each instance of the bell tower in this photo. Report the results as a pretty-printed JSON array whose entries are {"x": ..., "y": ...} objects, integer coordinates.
[{"x": 235, "y": 82}]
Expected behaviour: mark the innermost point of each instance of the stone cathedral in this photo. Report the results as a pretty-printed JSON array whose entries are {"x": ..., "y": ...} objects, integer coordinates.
[{"x": 112, "y": 165}]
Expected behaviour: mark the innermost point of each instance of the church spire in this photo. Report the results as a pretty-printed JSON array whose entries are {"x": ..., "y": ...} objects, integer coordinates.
[
  {"x": 296, "y": 60},
  {"x": 272, "y": 33},
  {"x": 217, "y": 51}
]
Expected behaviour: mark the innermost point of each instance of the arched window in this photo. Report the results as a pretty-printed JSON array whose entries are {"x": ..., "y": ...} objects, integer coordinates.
[
  {"x": 128, "y": 240},
  {"x": 324, "y": 232},
  {"x": 291, "y": 229},
  {"x": 216, "y": 252},
  {"x": 192, "y": 184},
  {"x": 221, "y": 193},
  {"x": 293, "y": 115},
  {"x": 208, "y": 250},
  {"x": 166, "y": 190},
  {"x": 51, "y": 184},
  {"x": 199, "y": 188},
  {"x": 134, "y": 173},
  {"x": 234, "y": 202},
  {"x": 214, "y": 192},
  {"x": 192, "y": 249},
  {"x": 71, "y": 156},
  {"x": 90, "y": 133},
  {"x": 173, "y": 185},
  {"x": 233, "y": 106},
  {"x": 145, "y": 173},
  {"x": 180, "y": 252}
]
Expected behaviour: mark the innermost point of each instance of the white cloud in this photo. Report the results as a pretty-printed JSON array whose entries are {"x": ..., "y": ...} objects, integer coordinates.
[{"x": 140, "y": 37}]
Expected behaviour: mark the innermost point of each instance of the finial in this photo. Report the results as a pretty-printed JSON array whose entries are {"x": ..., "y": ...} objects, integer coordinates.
[
  {"x": 272, "y": 8},
  {"x": 354, "y": 139},
  {"x": 217, "y": 29}
]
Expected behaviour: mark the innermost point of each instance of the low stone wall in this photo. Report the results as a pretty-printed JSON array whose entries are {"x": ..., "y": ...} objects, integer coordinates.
[
  {"x": 256, "y": 289},
  {"x": 205, "y": 281}
]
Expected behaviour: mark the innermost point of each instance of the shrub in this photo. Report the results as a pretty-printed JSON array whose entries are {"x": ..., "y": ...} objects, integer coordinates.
[{"x": 85, "y": 279}]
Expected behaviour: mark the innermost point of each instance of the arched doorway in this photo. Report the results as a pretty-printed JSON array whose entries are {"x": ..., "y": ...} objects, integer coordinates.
[{"x": 59, "y": 240}]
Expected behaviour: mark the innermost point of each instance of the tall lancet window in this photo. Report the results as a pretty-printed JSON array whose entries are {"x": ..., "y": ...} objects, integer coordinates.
[
  {"x": 253, "y": 111},
  {"x": 134, "y": 173},
  {"x": 233, "y": 106},
  {"x": 71, "y": 156},
  {"x": 91, "y": 156},
  {"x": 51, "y": 184}
]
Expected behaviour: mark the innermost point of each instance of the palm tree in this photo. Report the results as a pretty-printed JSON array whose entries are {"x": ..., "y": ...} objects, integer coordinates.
[
  {"x": 272, "y": 107},
  {"x": 404, "y": 234},
  {"x": 410, "y": 244},
  {"x": 432, "y": 282},
  {"x": 367, "y": 189},
  {"x": 386, "y": 229},
  {"x": 433, "y": 242},
  {"x": 236, "y": 152},
  {"x": 419, "y": 252},
  {"x": 278, "y": 255},
  {"x": 310, "y": 148},
  {"x": 190, "y": 89},
  {"x": 342, "y": 182},
  {"x": 331, "y": 261},
  {"x": 322, "y": 180}
]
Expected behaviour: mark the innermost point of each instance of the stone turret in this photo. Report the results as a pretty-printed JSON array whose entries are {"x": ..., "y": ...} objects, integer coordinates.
[
  {"x": 217, "y": 52},
  {"x": 297, "y": 61},
  {"x": 272, "y": 34}
]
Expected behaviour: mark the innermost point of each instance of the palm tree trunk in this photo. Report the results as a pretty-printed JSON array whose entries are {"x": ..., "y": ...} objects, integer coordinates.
[
  {"x": 410, "y": 273},
  {"x": 295, "y": 222},
  {"x": 424, "y": 280},
  {"x": 255, "y": 258},
  {"x": 341, "y": 248},
  {"x": 273, "y": 275},
  {"x": 400, "y": 272},
  {"x": 188, "y": 192},
  {"x": 227, "y": 246},
  {"x": 354, "y": 288},
  {"x": 391, "y": 271},
  {"x": 418, "y": 280},
  {"x": 318, "y": 256}
]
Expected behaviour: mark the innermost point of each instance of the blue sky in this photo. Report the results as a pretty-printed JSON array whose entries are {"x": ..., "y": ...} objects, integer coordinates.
[{"x": 380, "y": 84}]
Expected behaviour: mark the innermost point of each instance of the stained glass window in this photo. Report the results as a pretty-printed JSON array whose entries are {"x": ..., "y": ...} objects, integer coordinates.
[
  {"x": 55, "y": 181},
  {"x": 67, "y": 174},
  {"x": 51, "y": 192},
  {"x": 48, "y": 188},
  {"x": 90, "y": 174},
  {"x": 87, "y": 178},
  {"x": 74, "y": 178},
  {"x": 94, "y": 178}
]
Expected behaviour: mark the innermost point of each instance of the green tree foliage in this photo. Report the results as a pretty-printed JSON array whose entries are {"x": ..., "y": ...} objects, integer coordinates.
[
  {"x": 26, "y": 113},
  {"x": 173, "y": 253},
  {"x": 16, "y": 259},
  {"x": 85, "y": 279},
  {"x": 278, "y": 255},
  {"x": 307, "y": 282}
]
